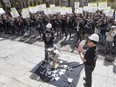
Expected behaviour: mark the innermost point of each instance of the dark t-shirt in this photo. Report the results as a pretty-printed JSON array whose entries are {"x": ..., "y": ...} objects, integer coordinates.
[
  {"x": 90, "y": 56},
  {"x": 48, "y": 37}
]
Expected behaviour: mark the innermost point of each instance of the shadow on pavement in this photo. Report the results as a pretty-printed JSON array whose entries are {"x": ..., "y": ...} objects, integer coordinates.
[
  {"x": 114, "y": 66},
  {"x": 106, "y": 63},
  {"x": 114, "y": 69},
  {"x": 3, "y": 39},
  {"x": 35, "y": 77}
]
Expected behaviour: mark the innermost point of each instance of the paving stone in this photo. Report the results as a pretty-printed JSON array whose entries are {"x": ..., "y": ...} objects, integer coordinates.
[
  {"x": 31, "y": 79},
  {"x": 27, "y": 64},
  {"x": 110, "y": 71},
  {"x": 5, "y": 80},
  {"x": 6, "y": 65},
  {"x": 15, "y": 83},
  {"x": 14, "y": 59},
  {"x": 46, "y": 85},
  {"x": 2, "y": 85},
  {"x": 100, "y": 69},
  {"x": 21, "y": 70},
  {"x": 9, "y": 73},
  {"x": 99, "y": 81},
  {"x": 1, "y": 60}
]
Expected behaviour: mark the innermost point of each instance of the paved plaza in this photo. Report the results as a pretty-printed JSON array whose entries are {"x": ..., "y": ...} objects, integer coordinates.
[{"x": 17, "y": 59}]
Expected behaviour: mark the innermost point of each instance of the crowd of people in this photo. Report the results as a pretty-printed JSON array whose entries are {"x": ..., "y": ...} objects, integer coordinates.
[
  {"x": 82, "y": 25},
  {"x": 96, "y": 28}
]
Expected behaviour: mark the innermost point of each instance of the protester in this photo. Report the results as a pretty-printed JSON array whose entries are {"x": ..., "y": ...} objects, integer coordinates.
[
  {"x": 48, "y": 37},
  {"x": 109, "y": 40},
  {"x": 89, "y": 58}
]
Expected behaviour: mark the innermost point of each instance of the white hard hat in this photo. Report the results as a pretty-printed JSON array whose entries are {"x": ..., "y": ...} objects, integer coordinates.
[
  {"x": 94, "y": 37},
  {"x": 113, "y": 26},
  {"x": 49, "y": 25}
]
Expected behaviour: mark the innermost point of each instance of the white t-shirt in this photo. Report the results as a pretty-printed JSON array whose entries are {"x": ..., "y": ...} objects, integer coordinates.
[{"x": 110, "y": 36}]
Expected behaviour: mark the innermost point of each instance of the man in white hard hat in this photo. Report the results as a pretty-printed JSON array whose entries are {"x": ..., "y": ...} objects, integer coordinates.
[
  {"x": 89, "y": 58},
  {"x": 48, "y": 37},
  {"x": 49, "y": 26}
]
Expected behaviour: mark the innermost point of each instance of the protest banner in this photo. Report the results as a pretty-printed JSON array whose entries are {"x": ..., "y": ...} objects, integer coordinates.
[
  {"x": 52, "y": 6},
  {"x": 13, "y": 9},
  {"x": 43, "y": 6},
  {"x": 47, "y": 11},
  {"x": 36, "y": 8},
  {"x": 32, "y": 9},
  {"x": 109, "y": 12},
  {"x": 68, "y": 10},
  {"x": 25, "y": 13},
  {"x": 63, "y": 11},
  {"x": 76, "y": 5},
  {"x": 92, "y": 7},
  {"x": 85, "y": 8},
  {"x": 14, "y": 12},
  {"x": 79, "y": 10},
  {"x": 102, "y": 5}
]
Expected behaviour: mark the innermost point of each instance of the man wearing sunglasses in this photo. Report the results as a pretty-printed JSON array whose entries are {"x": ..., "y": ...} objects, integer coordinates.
[{"x": 89, "y": 58}]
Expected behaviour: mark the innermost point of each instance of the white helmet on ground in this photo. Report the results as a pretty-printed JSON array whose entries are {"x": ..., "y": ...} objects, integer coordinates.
[
  {"x": 94, "y": 37},
  {"x": 49, "y": 25}
]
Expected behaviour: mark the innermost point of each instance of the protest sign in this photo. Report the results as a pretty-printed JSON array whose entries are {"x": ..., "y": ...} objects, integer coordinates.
[
  {"x": 47, "y": 11},
  {"x": 52, "y": 6},
  {"x": 76, "y": 5},
  {"x": 85, "y": 8},
  {"x": 32, "y": 9},
  {"x": 92, "y": 7},
  {"x": 102, "y": 5},
  {"x": 14, "y": 12},
  {"x": 25, "y": 13},
  {"x": 63, "y": 11},
  {"x": 79, "y": 10},
  {"x": 109, "y": 12},
  {"x": 69, "y": 10}
]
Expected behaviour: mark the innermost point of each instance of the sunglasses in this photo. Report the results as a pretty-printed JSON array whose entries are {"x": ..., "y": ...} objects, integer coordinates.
[{"x": 89, "y": 41}]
